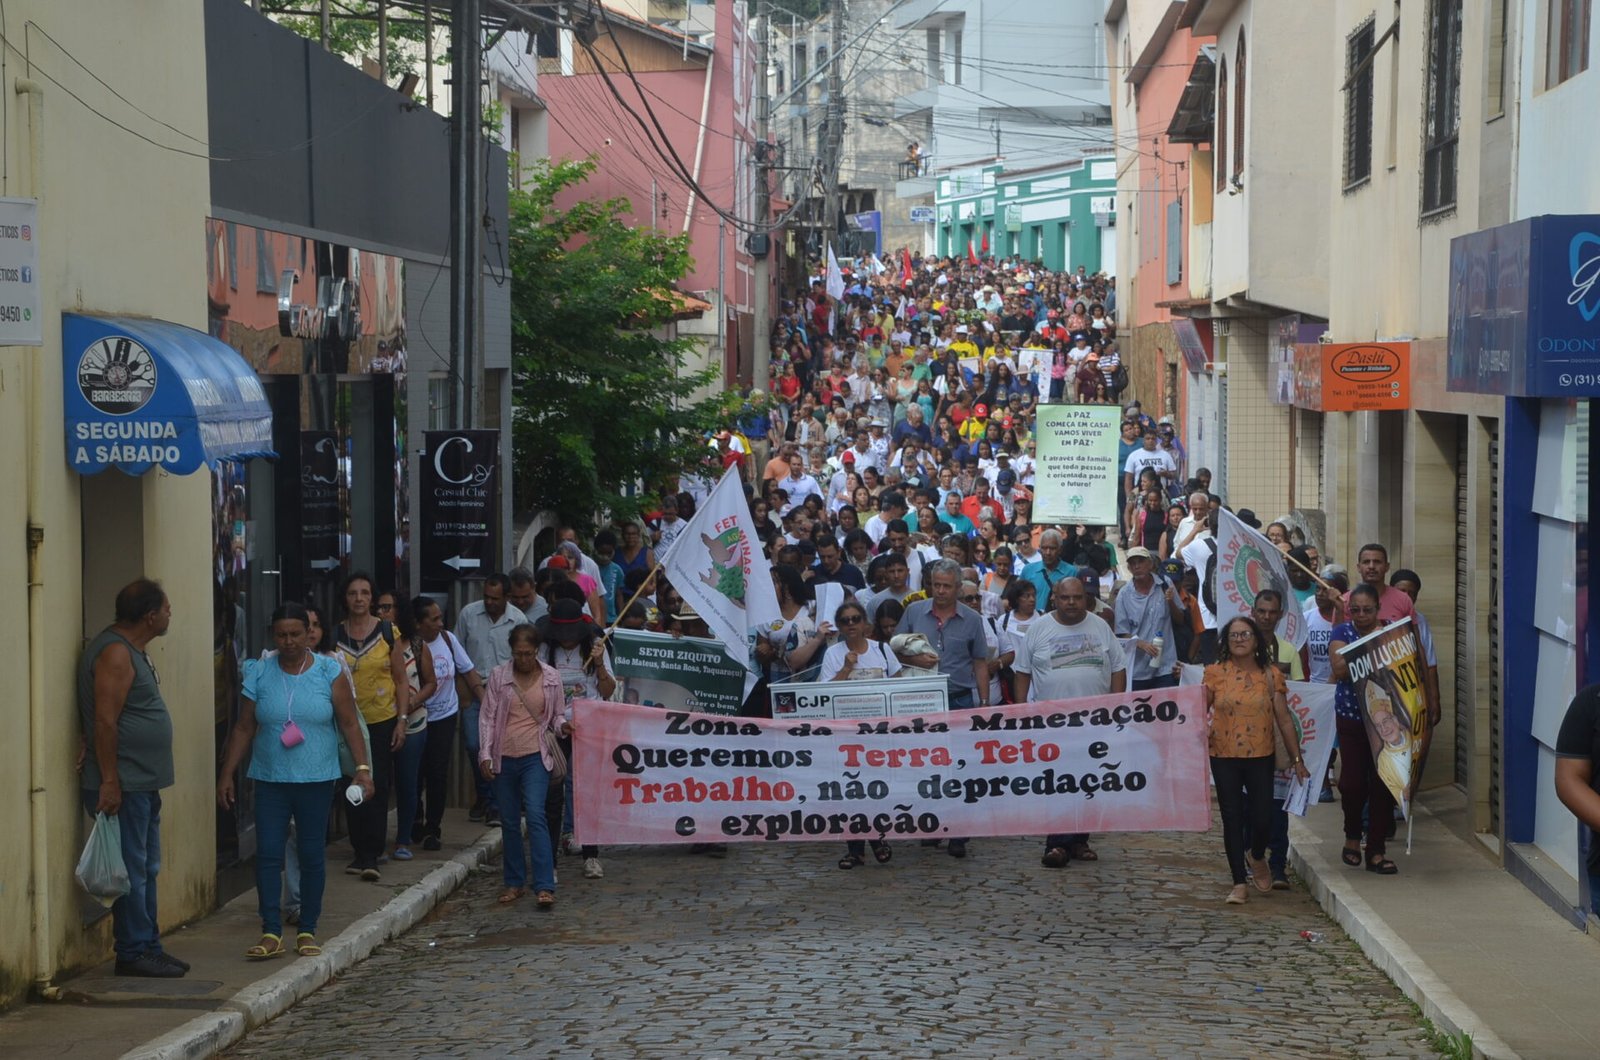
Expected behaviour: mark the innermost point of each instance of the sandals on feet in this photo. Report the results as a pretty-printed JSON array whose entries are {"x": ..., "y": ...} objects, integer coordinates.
[
  {"x": 1351, "y": 857},
  {"x": 305, "y": 944},
  {"x": 1382, "y": 866},
  {"x": 1080, "y": 852},
  {"x": 510, "y": 894},
  {"x": 881, "y": 851},
  {"x": 269, "y": 947},
  {"x": 1055, "y": 858},
  {"x": 852, "y": 861},
  {"x": 547, "y": 900}
]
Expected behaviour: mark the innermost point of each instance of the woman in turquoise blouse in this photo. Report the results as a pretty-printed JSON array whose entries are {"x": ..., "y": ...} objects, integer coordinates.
[{"x": 296, "y": 707}]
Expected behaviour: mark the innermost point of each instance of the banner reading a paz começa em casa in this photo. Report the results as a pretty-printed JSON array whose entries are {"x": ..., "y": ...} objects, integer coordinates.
[
  {"x": 679, "y": 673},
  {"x": 1114, "y": 763},
  {"x": 1076, "y": 472},
  {"x": 1386, "y": 672}
]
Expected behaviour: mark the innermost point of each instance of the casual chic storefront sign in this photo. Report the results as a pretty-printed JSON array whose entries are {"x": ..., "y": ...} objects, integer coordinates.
[{"x": 460, "y": 482}]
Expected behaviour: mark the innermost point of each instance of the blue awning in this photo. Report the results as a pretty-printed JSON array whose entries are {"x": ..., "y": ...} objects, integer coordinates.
[{"x": 141, "y": 393}]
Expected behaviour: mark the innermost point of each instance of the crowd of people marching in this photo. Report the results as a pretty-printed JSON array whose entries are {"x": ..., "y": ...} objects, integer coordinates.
[{"x": 892, "y": 453}]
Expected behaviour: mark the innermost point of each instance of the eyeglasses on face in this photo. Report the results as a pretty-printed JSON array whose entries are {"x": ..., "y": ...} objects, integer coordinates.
[
  {"x": 1241, "y": 634},
  {"x": 850, "y": 620}
]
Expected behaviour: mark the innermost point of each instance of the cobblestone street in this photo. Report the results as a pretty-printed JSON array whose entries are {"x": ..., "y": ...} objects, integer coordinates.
[{"x": 774, "y": 952}]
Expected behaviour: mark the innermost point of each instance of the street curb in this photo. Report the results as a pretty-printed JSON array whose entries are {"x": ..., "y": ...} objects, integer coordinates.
[
  {"x": 207, "y": 1035},
  {"x": 1389, "y": 951}
]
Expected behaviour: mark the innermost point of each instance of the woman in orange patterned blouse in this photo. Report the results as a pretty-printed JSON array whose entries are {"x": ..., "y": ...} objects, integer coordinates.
[{"x": 1247, "y": 696}]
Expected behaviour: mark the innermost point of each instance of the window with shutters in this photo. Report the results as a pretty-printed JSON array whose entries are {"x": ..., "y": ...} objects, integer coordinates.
[
  {"x": 1442, "y": 123},
  {"x": 1175, "y": 241},
  {"x": 1238, "y": 111},
  {"x": 1566, "y": 50},
  {"x": 1221, "y": 131},
  {"x": 1358, "y": 106}
]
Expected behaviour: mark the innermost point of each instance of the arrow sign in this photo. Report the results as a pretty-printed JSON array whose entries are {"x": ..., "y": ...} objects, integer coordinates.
[
  {"x": 323, "y": 564},
  {"x": 460, "y": 487}
]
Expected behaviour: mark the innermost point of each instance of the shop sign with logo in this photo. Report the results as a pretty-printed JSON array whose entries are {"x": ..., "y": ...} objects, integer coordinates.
[
  {"x": 321, "y": 515},
  {"x": 460, "y": 488},
  {"x": 1525, "y": 308},
  {"x": 1352, "y": 376},
  {"x": 141, "y": 393}
]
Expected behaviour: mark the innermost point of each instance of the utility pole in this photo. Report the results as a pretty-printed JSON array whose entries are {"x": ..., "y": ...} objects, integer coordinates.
[
  {"x": 466, "y": 203},
  {"x": 835, "y": 144},
  {"x": 762, "y": 363}
]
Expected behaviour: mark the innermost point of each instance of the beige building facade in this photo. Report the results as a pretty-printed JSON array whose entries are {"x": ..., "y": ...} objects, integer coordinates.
[
  {"x": 121, "y": 227},
  {"x": 1419, "y": 142}
]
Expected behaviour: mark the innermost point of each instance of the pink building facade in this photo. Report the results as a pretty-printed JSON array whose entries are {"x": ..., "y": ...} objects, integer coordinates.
[{"x": 701, "y": 91}]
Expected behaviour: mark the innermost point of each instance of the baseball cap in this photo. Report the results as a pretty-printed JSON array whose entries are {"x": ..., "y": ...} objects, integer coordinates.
[
  {"x": 1138, "y": 553},
  {"x": 961, "y": 329},
  {"x": 980, "y": 409},
  {"x": 849, "y": 456},
  {"x": 1005, "y": 479}
]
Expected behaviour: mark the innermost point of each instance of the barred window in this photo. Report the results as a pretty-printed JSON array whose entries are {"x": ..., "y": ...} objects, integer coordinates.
[
  {"x": 1442, "y": 122},
  {"x": 1358, "y": 106}
]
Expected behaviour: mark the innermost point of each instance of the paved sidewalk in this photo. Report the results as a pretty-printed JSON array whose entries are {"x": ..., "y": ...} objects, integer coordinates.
[
  {"x": 1474, "y": 948},
  {"x": 223, "y": 995}
]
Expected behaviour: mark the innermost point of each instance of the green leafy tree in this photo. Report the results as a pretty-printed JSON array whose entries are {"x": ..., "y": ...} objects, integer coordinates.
[
  {"x": 602, "y": 403},
  {"x": 353, "y": 30}
]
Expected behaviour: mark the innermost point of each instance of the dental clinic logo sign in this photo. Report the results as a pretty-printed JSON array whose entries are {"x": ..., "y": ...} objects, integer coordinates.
[
  {"x": 1583, "y": 256},
  {"x": 1525, "y": 309}
]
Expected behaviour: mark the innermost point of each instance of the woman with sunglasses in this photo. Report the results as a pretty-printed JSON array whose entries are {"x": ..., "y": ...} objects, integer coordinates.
[
  {"x": 856, "y": 657},
  {"x": 1247, "y": 698}
]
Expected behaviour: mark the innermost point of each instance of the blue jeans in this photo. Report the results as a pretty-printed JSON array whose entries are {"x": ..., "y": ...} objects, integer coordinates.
[
  {"x": 407, "y": 780},
  {"x": 307, "y": 805},
  {"x": 487, "y": 792},
  {"x": 1594, "y": 893},
  {"x": 523, "y": 782},
  {"x": 134, "y": 924}
]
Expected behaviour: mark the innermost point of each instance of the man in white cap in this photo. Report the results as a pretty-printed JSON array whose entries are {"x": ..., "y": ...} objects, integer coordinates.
[
  {"x": 963, "y": 346},
  {"x": 1145, "y": 610}
]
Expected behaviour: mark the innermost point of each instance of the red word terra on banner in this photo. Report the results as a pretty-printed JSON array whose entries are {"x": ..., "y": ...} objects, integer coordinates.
[{"x": 1119, "y": 763}]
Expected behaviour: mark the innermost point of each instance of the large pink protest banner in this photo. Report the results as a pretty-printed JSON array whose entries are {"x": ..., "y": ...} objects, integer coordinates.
[{"x": 1120, "y": 763}]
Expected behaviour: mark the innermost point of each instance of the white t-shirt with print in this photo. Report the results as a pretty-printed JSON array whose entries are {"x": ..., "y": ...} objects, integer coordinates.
[{"x": 1067, "y": 662}]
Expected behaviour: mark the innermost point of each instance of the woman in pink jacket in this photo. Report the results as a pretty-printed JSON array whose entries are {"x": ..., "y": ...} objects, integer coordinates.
[{"x": 523, "y": 712}]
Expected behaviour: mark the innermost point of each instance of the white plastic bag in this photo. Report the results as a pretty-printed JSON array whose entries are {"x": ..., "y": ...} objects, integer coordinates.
[{"x": 101, "y": 869}]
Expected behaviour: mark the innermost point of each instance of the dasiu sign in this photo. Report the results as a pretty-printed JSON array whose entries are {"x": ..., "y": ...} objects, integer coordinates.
[{"x": 1352, "y": 376}]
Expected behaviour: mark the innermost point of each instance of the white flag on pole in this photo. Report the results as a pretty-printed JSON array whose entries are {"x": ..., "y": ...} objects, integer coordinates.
[
  {"x": 1246, "y": 564},
  {"x": 717, "y": 565},
  {"x": 835, "y": 277}
]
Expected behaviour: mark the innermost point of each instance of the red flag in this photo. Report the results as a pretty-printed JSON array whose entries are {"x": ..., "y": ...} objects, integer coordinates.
[
  {"x": 905, "y": 266},
  {"x": 972, "y": 255},
  {"x": 985, "y": 247}
]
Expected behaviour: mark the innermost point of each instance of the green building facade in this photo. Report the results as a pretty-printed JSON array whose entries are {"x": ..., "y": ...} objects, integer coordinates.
[{"x": 1063, "y": 215}]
